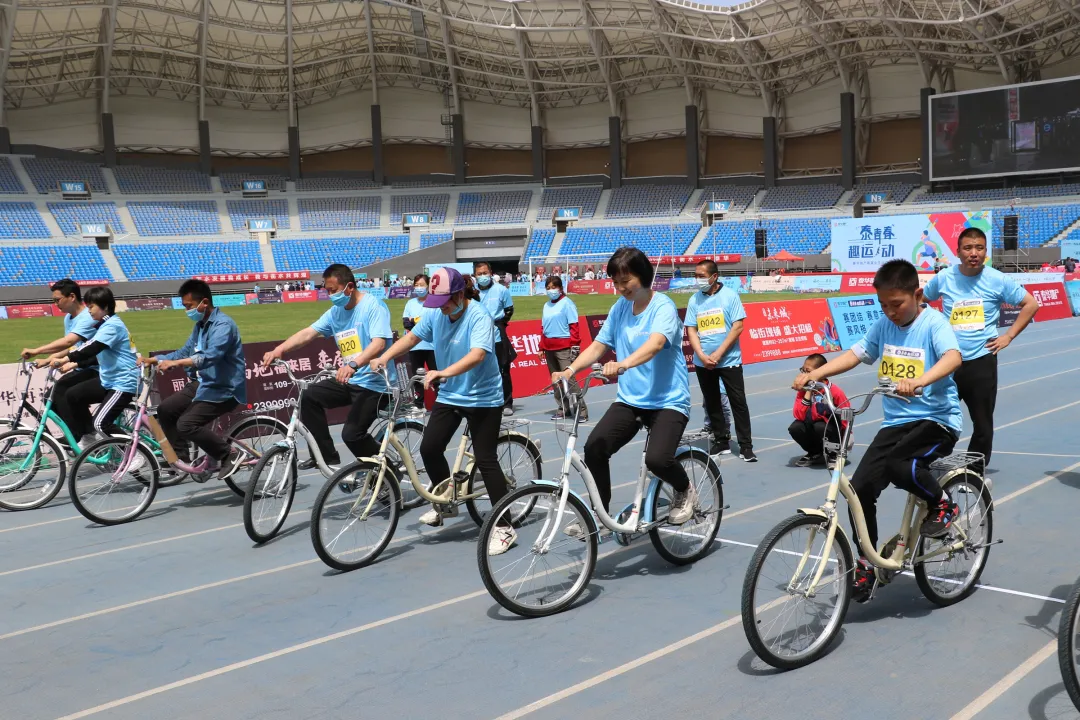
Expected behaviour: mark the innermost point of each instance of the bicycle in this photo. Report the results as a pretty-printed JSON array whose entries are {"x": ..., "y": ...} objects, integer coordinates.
[
  {"x": 270, "y": 493},
  {"x": 510, "y": 577},
  {"x": 1069, "y": 645},
  {"x": 366, "y": 494},
  {"x": 801, "y": 579},
  {"x": 110, "y": 459}
]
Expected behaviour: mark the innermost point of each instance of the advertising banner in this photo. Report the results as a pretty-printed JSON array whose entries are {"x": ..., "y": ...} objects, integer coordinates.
[
  {"x": 376, "y": 292},
  {"x": 662, "y": 284},
  {"x": 254, "y": 277},
  {"x": 1070, "y": 246},
  {"x": 1073, "y": 289},
  {"x": 177, "y": 303},
  {"x": 520, "y": 289},
  {"x": 740, "y": 283},
  {"x": 721, "y": 259},
  {"x": 229, "y": 300},
  {"x": 1033, "y": 278},
  {"x": 33, "y": 310},
  {"x": 251, "y": 298},
  {"x": 463, "y": 268},
  {"x": 530, "y": 371},
  {"x": 152, "y": 303},
  {"x": 682, "y": 285},
  {"x": 399, "y": 293},
  {"x": 772, "y": 283},
  {"x": 3, "y": 313},
  {"x": 853, "y": 316},
  {"x": 776, "y": 330},
  {"x": 299, "y": 296},
  {"x": 864, "y": 244},
  {"x": 1053, "y": 301},
  {"x": 818, "y": 283},
  {"x": 269, "y": 296},
  {"x": 590, "y": 287}
]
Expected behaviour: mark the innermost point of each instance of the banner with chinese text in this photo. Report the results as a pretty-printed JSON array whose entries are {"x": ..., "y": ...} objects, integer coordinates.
[
  {"x": 776, "y": 330},
  {"x": 864, "y": 244},
  {"x": 853, "y": 316}
]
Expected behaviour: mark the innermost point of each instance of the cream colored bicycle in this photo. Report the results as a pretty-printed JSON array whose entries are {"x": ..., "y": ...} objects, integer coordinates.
[{"x": 799, "y": 583}]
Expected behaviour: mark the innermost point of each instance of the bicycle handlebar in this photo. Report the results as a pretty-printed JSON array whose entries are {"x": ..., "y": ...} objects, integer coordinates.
[{"x": 884, "y": 387}]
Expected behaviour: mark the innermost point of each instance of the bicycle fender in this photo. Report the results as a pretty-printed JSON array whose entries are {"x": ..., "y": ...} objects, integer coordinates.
[
  {"x": 818, "y": 512},
  {"x": 648, "y": 510},
  {"x": 523, "y": 436},
  {"x": 575, "y": 493}
]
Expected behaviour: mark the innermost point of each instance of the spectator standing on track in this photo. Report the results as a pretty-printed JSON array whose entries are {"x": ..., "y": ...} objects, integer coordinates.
[
  {"x": 714, "y": 321},
  {"x": 560, "y": 341},
  {"x": 972, "y": 295},
  {"x": 496, "y": 299},
  {"x": 813, "y": 422},
  {"x": 423, "y": 354}
]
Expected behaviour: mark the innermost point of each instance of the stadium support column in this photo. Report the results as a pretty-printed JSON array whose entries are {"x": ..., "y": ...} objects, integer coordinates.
[
  {"x": 204, "y": 147},
  {"x": 294, "y": 153},
  {"x": 615, "y": 143},
  {"x": 457, "y": 148},
  {"x": 847, "y": 140},
  {"x": 376, "y": 145},
  {"x": 538, "y": 153},
  {"x": 5, "y": 141},
  {"x": 108, "y": 139},
  {"x": 924, "y": 113},
  {"x": 770, "y": 150},
  {"x": 693, "y": 174}
]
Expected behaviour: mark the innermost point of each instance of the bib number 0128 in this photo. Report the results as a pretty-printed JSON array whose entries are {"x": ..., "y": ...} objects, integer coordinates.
[{"x": 898, "y": 370}]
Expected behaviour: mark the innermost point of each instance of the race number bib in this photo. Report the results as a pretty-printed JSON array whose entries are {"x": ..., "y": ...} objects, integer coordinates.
[
  {"x": 902, "y": 363},
  {"x": 968, "y": 315},
  {"x": 348, "y": 342},
  {"x": 711, "y": 323}
]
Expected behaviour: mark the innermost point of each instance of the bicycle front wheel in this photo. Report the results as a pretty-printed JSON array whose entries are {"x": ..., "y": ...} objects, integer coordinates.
[
  {"x": 1069, "y": 645},
  {"x": 788, "y": 623},
  {"x": 950, "y": 577},
  {"x": 31, "y": 474},
  {"x": 521, "y": 463},
  {"x": 355, "y": 515},
  {"x": 546, "y": 570},
  {"x": 252, "y": 437},
  {"x": 270, "y": 493},
  {"x": 410, "y": 433},
  {"x": 114, "y": 481},
  {"x": 683, "y": 544}
]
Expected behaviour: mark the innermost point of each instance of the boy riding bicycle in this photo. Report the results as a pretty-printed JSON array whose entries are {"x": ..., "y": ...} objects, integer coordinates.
[{"x": 915, "y": 348}]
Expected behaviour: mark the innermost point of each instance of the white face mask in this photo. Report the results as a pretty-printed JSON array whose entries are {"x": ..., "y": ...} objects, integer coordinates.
[{"x": 705, "y": 283}]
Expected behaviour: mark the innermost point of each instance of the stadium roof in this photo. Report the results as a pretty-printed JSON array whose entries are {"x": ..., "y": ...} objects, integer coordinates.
[{"x": 537, "y": 54}]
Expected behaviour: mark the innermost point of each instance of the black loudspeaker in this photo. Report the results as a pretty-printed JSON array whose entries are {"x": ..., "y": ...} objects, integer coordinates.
[
  {"x": 759, "y": 244},
  {"x": 1012, "y": 232}
]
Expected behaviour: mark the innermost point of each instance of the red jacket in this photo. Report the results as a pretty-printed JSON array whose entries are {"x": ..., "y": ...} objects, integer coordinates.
[{"x": 818, "y": 410}]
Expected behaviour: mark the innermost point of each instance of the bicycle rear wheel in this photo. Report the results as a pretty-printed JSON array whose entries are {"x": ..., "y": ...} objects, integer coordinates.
[
  {"x": 108, "y": 488},
  {"x": 30, "y": 474},
  {"x": 951, "y": 577},
  {"x": 527, "y": 579},
  {"x": 270, "y": 493},
  {"x": 252, "y": 437},
  {"x": 1069, "y": 645},
  {"x": 683, "y": 544},
  {"x": 355, "y": 515},
  {"x": 786, "y": 626},
  {"x": 521, "y": 463},
  {"x": 410, "y": 433}
]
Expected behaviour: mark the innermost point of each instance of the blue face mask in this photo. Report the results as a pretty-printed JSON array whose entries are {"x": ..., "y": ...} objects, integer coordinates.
[
  {"x": 420, "y": 292},
  {"x": 554, "y": 294},
  {"x": 194, "y": 314},
  {"x": 457, "y": 308},
  {"x": 340, "y": 299},
  {"x": 483, "y": 281}
]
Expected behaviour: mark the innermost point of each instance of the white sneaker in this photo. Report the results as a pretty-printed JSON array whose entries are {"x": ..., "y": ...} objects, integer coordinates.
[
  {"x": 502, "y": 540},
  {"x": 682, "y": 506},
  {"x": 575, "y": 531},
  {"x": 432, "y": 518}
]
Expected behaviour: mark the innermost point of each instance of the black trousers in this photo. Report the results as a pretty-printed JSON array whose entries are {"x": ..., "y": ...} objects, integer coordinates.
[
  {"x": 187, "y": 420},
  {"x": 618, "y": 427},
  {"x": 977, "y": 383},
  {"x": 712, "y": 399},
  {"x": 419, "y": 359},
  {"x": 110, "y": 404},
  {"x": 483, "y": 429},
  {"x": 365, "y": 409},
  {"x": 900, "y": 455},
  {"x": 736, "y": 393},
  {"x": 504, "y": 354},
  {"x": 810, "y": 435},
  {"x": 60, "y": 403}
]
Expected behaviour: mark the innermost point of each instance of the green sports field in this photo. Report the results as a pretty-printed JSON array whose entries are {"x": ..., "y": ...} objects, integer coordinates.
[{"x": 166, "y": 329}]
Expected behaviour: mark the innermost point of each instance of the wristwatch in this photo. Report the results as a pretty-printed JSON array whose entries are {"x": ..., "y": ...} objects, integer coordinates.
[{"x": 353, "y": 365}]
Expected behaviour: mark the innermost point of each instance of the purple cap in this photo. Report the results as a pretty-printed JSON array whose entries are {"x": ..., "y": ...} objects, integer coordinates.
[{"x": 444, "y": 283}]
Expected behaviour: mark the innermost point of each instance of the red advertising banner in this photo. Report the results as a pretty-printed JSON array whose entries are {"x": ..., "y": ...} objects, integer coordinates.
[
  {"x": 254, "y": 277},
  {"x": 33, "y": 310},
  {"x": 857, "y": 283},
  {"x": 1052, "y": 298},
  {"x": 89, "y": 283},
  {"x": 299, "y": 296},
  {"x": 721, "y": 259},
  {"x": 529, "y": 371},
  {"x": 590, "y": 287},
  {"x": 777, "y": 330}
]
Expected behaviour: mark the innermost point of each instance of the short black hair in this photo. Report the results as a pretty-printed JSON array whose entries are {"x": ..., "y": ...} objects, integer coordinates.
[
  {"x": 197, "y": 289},
  {"x": 971, "y": 232},
  {"x": 632, "y": 261},
  {"x": 66, "y": 287},
  {"x": 553, "y": 281},
  {"x": 710, "y": 267},
  {"x": 103, "y": 298},
  {"x": 341, "y": 273},
  {"x": 421, "y": 276},
  {"x": 481, "y": 263},
  {"x": 817, "y": 360},
  {"x": 897, "y": 274}
]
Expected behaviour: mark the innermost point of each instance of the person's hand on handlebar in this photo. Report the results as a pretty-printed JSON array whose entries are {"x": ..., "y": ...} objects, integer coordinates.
[
  {"x": 147, "y": 361},
  {"x": 557, "y": 377},
  {"x": 613, "y": 369},
  {"x": 43, "y": 362},
  {"x": 344, "y": 373},
  {"x": 271, "y": 356},
  {"x": 432, "y": 376},
  {"x": 27, "y": 353},
  {"x": 802, "y": 380},
  {"x": 377, "y": 364},
  {"x": 908, "y": 388},
  {"x": 165, "y": 365}
]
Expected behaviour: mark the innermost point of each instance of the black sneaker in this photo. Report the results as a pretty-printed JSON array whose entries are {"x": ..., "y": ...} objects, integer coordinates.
[
  {"x": 939, "y": 518},
  {"x": 805, "y": 461},
  {"x": 310, "y": 464},
  {"x": 229, "y": 464},
  {"x": 747, "y": 456},
  {"x": 862, "y": 581}
]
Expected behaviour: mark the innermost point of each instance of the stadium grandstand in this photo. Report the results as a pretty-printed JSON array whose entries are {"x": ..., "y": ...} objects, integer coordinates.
[{"x": 637, "y": 116}]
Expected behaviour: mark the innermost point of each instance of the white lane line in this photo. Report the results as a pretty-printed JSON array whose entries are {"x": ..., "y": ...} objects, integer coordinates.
[
  {"x": 1001, "y": 686},
  {"x": 752, "y": 508}
]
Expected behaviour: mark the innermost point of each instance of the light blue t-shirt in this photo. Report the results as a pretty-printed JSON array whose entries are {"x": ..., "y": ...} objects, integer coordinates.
[
  {"x": 415, "y": 309},
  {"x": 558, "y": 317},
  {"x": 116, "y": 363},
  {"x": 663, "y": 382},
  {"x": 972, "y": 304},
  {"x": 479, "y": 387},
  {"x": 495, "y": 300},
  {"x": 82, "y": 325},
  {"x": 353, "y": 330},
  {"x": 713, "y": 316},
  {"x": 908, "y": 353}
]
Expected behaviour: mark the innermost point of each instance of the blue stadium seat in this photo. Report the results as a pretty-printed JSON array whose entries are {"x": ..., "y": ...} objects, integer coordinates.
[
  {"x": 540, "y": 243},
  {"x": 653, "y": 240},
  {"x": 48, "y": 173},
  {"x": 801, "y": 197},
  {"x": 173, "y": 261},
  {"x": 740, "y": 196},
  {"x": 431, "y": 239},
  {"x": 339, "y": 213},
  {"x": 45, "y": 264},
  {"x": 70, "y": 215},
  {"x": 177, "y": 217},
  {"x": 318, "y": 254},
  {"x": 434, "y": 204},
  {"x": 895, "y": 192},
  {"x": 586, "y": 198},
  {"x": 1037, "y": 225},
  {"x": 139, "y": 180},
  {"x": 9, "y": 181},
  {"x": 240, "y": 211},
  {"x": 234, "y": 181},
  {"x": 334, "y": 184},
  {"x": 801, "y": 236},
  {"x": 640, "y": 201},
  {"x": 493, "y": 208},
  {"x": 999, "y": 194},
  {"x": 21, "y": 220}
]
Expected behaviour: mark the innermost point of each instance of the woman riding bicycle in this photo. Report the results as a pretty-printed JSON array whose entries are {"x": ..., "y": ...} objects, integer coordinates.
[
  {"x": 644, "y": 329},
  {"x": 424, "y": 353},
  {"x": 464, "y": 338}
]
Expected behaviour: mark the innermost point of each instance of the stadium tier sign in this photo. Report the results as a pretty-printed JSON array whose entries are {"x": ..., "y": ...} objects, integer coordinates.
[
  {"x": 92, "y": 231},
  {"x": 254, "y": 188},
  {"x": 410, "y": 220},
  {"x": 864, "y": 244},
  {"x": 261, "y": 225},
  {"x": 74, "y": 190},
  {"x": 875, "y": 198}
]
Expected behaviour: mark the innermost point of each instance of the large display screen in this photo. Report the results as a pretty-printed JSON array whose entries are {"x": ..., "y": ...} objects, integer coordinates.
[{"x": 1019, "y": 129}]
